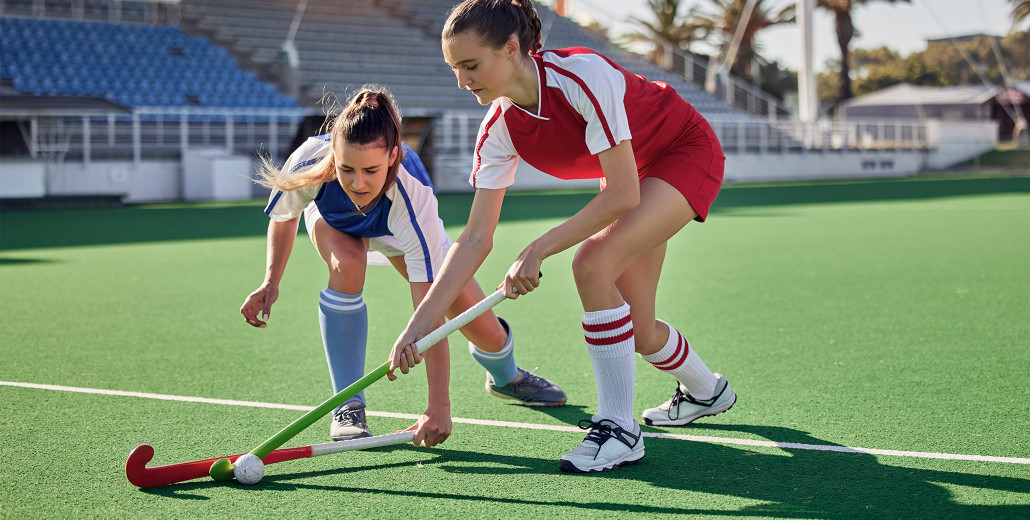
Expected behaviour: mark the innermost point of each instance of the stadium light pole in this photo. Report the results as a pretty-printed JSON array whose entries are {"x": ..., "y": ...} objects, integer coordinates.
[{"x": 808, "y": 97}]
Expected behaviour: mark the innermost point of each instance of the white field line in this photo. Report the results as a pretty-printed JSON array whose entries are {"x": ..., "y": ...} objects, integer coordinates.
[{"x": 530, "y": 426}]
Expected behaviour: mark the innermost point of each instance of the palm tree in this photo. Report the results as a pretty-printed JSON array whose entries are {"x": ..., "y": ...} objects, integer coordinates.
[
  {"x": 668, "y": 28},
  {"x": 841, "y": 10},
  {"x": 725, "y": 15},
  {"x": 1020, "y": 10}
]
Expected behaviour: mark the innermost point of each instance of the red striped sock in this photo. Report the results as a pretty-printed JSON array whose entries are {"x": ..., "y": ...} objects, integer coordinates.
[
  {"x": 680, "y": 360},
  {"x": 609, "y": 336}
]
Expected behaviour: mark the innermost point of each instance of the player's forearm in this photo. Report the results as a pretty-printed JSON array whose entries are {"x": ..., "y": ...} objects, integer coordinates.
[
  {"x": 621, "y": 196},
  {"x": 600, "y": 213},
  {"x": 463, "y": 260},
  {"x": 281, "y": 237},
  {"x": 438, "y": 376},
  {"x": 460, "y": 265}
]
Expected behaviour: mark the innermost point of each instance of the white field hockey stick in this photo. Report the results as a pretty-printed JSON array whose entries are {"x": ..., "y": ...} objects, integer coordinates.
[{"x": 142, "y": 476}]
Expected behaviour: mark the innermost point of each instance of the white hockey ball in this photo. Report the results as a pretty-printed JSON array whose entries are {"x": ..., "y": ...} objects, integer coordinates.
[{"x": 248, "y": 469}]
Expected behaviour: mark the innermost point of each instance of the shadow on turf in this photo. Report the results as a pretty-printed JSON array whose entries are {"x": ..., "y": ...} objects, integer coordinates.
[
  {"x": 130, "y": 224},
  {"x": 24, "y": 261},
  {"x": 791, "y": 484}
]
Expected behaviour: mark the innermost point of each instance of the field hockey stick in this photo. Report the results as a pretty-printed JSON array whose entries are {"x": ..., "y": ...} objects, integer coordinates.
[
  {"x": 142, "y": 476},
  {"x": 222, "y": 469}
]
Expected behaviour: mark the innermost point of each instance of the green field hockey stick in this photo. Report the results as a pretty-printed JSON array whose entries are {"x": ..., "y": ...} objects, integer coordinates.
[{"x": 222, "y": 469}]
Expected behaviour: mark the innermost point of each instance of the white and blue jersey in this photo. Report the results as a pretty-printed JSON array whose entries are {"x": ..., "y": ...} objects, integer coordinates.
[{"x": 404, "y": 222}]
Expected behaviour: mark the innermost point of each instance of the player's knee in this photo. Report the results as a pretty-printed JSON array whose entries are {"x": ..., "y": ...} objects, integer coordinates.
[
  {"x": 345, "y": 261},
  {"x": 590, "y": 265}
]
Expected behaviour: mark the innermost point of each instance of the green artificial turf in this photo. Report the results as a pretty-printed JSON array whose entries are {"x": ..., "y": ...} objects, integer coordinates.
[{"x": 887, "y": 315}]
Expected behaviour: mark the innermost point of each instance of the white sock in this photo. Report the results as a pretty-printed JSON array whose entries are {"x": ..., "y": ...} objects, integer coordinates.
[
  {"x": 609, "y": 336},
  {"x": 681, "y": 361}
]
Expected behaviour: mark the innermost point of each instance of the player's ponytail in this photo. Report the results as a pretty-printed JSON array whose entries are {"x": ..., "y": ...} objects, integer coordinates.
[
  {"x": 494, "y": 21},
  {"x": 371, "y": 117}
]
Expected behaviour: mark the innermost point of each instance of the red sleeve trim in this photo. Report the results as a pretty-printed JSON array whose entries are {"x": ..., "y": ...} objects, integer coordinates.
[
  {"x": 479, "y": 145},
  {"x": 593, "y": 100}
]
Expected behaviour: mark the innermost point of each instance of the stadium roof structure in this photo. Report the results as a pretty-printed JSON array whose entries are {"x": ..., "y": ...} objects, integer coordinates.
[{"x": 906, "y": 94}]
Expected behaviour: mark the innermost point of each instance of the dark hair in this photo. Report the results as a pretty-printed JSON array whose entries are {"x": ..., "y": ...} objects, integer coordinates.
[
  {"x": 494, "y": 21},
  {"x": 371, "y": 117}
]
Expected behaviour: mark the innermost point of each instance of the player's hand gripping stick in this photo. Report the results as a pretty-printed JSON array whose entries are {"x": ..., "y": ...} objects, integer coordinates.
[{"x": 222, "y": 469}]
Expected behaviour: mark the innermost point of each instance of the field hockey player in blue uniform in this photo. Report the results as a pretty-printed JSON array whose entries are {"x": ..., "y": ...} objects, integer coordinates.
[{"x": 367, "y": 199}]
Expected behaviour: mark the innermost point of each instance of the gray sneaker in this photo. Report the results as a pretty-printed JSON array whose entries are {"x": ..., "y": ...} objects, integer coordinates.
[
  {"x": 529, "y": 388},
  {"x": 349, "y": 422}
]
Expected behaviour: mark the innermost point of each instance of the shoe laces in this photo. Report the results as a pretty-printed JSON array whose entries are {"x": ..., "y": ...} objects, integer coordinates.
[
  {"x": 533, "y": 380},
  {"x": 678, "y": 397},
  {"x": 600, "y": 433},
  {"x": 348, "y": 415}
]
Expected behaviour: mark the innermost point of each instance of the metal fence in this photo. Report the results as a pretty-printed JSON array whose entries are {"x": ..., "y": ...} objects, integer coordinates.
[
  {"x": 457, "y": 132},
  {"x": 156, "y": 133}
]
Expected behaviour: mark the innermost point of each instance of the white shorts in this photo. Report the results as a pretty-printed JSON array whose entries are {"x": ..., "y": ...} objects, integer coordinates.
[{"x": 384, "y": 247}]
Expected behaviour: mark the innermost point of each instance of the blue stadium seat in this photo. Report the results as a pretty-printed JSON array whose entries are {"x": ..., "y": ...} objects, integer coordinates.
[{"x": 128, "y": 64}]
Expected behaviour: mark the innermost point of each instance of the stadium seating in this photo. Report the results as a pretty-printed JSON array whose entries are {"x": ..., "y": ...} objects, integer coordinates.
[{"x": 132, "y": 65}]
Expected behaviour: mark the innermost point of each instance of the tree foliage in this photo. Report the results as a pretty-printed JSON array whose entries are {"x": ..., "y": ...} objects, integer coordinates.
[
  {"x": 941, "y": 64},
  {"x": 1020, "y": 10},
  {"x": 722, "y": 17},
  {"x": 845, "y": 30}
]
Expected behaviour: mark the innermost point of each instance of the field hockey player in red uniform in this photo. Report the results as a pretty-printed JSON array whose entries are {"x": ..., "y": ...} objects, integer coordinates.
[{"x": 574, "y": 113}]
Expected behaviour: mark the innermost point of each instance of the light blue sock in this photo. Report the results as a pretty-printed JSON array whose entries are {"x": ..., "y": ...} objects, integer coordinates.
[
  {"x": 501, "y": 365},
  {"x": 343, "y": 319}
]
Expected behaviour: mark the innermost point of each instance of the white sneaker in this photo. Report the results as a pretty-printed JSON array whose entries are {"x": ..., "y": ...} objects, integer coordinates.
[
  {"x": 606, "y": 447},
  {"x": 682, "y": 408}
]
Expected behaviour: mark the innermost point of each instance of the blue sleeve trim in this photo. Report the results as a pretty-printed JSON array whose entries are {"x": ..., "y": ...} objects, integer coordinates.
[
  {"x": 415, "y": 167},
  {"x": 308, "y": 162},
  {"x": 271, "y": 204},
  {"x": 418, "y": 231}
]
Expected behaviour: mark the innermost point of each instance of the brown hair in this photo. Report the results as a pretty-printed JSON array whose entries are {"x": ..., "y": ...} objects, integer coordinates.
[
  {"x": 494, "y": 21},
  {"x": 371, "y": 117}
]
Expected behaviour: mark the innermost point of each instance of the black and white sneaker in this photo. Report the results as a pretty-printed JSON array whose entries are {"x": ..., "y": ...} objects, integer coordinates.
[
  {"x": 682, "y": 408},
  {"x": 606, "y": 447},
  {"x": 529, "y": 388},
  {"x": 349, "y": 422}
]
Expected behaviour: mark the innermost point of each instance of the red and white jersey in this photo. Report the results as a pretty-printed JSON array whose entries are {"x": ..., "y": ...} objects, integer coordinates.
[{"x": 587, "y": 104}]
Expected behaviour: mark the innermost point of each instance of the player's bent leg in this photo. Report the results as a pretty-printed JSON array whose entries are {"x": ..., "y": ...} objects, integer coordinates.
[
  {"x": 638, "y": 284},
  {"x": 343, "y": 321},
  {"x": 491, "y": 344}
]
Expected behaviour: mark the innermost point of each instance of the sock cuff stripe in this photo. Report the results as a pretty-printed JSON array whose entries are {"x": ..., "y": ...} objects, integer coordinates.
[
  {"x": 329, "y": 305},
  {"x": 677, "y": 358},
  {"x": 610, "y": 340},
  {"x": 605, "y": 315},
  {"x": 334, "y": 297},
  {"x": 501, "y": 354},
  {"x": 613, "y": 351},
  {"x": 602, "y": 327}
]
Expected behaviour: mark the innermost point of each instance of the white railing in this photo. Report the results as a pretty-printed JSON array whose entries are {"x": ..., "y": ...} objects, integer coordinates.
[
  {"x": 456, "y": 133},
  {"x": 156, "y": 132},
  {"x": 899, "y": 135},
  {"x": 737, "y": 92},
  {"x": 143, "y": 11}
]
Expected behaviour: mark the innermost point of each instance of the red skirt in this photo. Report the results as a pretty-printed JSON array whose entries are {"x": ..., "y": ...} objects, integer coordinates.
[{"x": 694, "y": 165}]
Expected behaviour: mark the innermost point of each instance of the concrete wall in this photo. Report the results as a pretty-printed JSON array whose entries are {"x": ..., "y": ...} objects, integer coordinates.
[
  {"x": 22, "y": 178},
  {"x": 147, "y": 181},
  {"x": 956, "y": 142}
]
